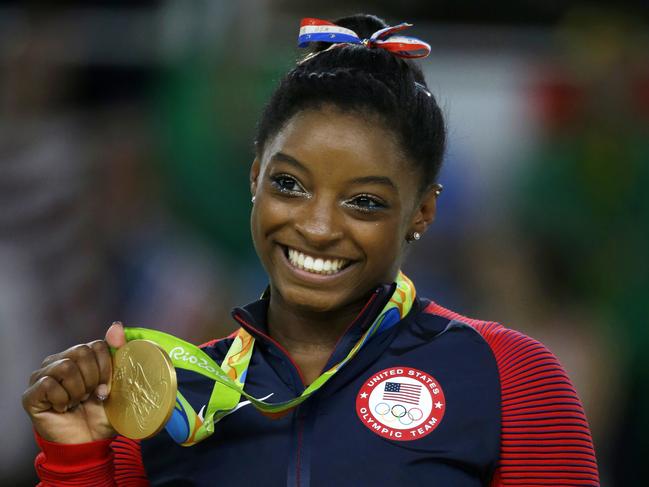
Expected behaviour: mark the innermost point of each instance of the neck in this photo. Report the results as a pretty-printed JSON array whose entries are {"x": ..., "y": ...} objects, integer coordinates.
[{"x": 309, "y": 337}]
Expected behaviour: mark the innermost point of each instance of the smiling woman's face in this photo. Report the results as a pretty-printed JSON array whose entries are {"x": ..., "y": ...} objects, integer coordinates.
[{"x": 334, "y": 202}]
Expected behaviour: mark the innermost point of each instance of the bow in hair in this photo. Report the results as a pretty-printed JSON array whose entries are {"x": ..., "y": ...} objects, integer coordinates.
[{"x": 317, "y": 30}]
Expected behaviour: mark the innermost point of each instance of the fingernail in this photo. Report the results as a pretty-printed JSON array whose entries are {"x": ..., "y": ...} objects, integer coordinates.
[
  {"x": 118, "y": 323},
  {"x": 102, "y": 392}
]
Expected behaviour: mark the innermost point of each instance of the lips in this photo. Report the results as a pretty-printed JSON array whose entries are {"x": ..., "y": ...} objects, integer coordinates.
[{"x": 315, "y": 264}]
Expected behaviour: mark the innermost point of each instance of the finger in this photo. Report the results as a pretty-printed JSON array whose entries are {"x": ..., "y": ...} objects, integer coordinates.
[
  {"x": 115, "y": 335},
  {"x": 86, "y": 361},
  {"x": 47, "y": 393},
  {"x": 105, "y": 364},
  {"x": 67, "y": 373},
  {"x": 58, "y": 356},
  {"x": 52, "y": 358},
  {"x": 82, "y": 355}
]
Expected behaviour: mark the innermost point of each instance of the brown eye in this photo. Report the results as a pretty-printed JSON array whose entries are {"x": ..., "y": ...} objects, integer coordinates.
[
  {"x": 365, "y": 202},
  {"x": 286, "y": 184}
]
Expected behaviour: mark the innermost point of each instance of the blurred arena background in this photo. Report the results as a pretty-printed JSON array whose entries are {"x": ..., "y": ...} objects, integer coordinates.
[{"x": 125, "y": 141}]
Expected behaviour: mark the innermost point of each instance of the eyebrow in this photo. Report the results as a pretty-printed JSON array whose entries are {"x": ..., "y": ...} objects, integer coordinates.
[
  {"x": 375, "y": 180},
  {"x": 280, "y": 156},
  {"x": 383, "y": 180}
]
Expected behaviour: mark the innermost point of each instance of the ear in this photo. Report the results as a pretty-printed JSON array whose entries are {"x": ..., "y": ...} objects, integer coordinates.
[
  {"x": 254, "y": 175},
  {"x": 425, "y": 212}
]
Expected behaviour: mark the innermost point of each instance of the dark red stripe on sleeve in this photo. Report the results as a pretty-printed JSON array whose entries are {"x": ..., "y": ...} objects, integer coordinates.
[
  {"x": 545, "y": 438},
  {"x": 129, "y": 469}
]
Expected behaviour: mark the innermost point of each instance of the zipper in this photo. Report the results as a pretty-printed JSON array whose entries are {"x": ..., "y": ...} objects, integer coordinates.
[
  {"x": 349, "y": 327},
  {"x": 298, "y": 474},
  {"x": 255, "y": 331}
]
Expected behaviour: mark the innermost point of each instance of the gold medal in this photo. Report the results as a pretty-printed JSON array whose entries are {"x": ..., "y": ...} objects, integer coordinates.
[{"x": 143, "y": 390}]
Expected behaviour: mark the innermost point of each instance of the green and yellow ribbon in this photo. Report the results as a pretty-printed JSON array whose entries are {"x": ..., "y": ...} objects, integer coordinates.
[{"x": 188, "y": 427}]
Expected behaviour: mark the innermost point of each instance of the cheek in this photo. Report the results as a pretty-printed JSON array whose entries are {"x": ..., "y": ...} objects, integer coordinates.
[
  {"x": 258, "y": 221},
  {"x": 268, "y": 216},
  {"x": 380, "y": 241}
]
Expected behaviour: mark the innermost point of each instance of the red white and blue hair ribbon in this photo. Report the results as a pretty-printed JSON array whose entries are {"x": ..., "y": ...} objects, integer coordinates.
[{"x": 317, "y": 30}]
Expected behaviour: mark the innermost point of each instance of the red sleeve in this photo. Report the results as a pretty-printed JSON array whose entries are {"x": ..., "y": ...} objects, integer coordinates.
[
  {"x": 104, "y": 463},
  {"x": 545, "y": 438}
]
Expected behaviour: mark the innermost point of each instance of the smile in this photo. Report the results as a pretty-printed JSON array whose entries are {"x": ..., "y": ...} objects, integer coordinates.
[{"x": 315, "y": 265}]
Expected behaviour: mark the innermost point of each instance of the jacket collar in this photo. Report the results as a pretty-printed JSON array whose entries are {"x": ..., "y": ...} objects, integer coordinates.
[{"x": 253, "y": 316}]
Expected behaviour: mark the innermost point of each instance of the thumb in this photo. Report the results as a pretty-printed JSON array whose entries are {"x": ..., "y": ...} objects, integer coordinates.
[{"x": 115, "y": 336}]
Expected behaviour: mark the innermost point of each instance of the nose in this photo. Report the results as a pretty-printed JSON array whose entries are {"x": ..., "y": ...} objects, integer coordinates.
[{"x": 319, "y": 223}]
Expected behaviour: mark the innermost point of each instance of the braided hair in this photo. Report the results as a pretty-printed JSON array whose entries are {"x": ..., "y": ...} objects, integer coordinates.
[{"x": 353, "y": 78}]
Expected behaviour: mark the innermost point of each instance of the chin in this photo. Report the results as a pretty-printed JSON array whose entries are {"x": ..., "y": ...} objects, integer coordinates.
[{"x": 313, "y": 301}]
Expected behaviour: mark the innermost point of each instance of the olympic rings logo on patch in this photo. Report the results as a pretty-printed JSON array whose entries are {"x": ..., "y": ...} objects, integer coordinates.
[
  {"x": 405, "y": 415},
  {"x": 401, "y": 403}
]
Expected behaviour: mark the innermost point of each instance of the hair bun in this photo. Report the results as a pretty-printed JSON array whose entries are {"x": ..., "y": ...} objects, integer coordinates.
[
  {"x": 365, "y": 80},
  {"x": 363, "y": 24}
]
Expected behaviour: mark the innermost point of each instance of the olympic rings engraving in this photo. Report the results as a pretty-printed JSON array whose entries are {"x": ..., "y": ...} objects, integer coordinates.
[
  {"x": 420, "y": 414},
  {"x": 398, "y": 412},
  {"x": 385, "y": 408}
]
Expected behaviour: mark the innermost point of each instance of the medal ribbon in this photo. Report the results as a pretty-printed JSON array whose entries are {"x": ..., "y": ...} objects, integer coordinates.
[{"x": 187, "y": 427}]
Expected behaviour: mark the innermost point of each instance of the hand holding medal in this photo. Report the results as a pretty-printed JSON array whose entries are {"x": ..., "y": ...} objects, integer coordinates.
[
  {"x": 65, "y": 399},
  {"x": 85, "y": 393}
]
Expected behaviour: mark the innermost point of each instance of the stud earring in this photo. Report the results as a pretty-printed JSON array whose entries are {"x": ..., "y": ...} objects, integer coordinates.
[
  {"x": 414, "y": 236},
  {"x": 252, "y": 200}
]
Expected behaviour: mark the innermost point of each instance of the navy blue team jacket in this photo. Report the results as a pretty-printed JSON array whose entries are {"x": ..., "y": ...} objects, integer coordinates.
[
  {"x": 504, "y": 413},
  {"x": 323, "y": 442}
]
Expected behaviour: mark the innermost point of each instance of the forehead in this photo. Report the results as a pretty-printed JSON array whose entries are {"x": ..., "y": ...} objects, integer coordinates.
[{"x": 341, "y": 144}]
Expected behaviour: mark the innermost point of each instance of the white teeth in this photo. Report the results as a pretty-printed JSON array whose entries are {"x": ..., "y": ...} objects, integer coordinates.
[{"x": 317, "y": 265}]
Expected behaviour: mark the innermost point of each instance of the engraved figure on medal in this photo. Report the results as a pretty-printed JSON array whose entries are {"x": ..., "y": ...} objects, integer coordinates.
[
  {"x": 143, "y": 397},
  {"x": 143, "y": 390}
]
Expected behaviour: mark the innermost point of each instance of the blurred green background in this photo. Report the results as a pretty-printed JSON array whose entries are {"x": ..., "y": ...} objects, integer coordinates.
[{"x": 126, "y": 135}]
